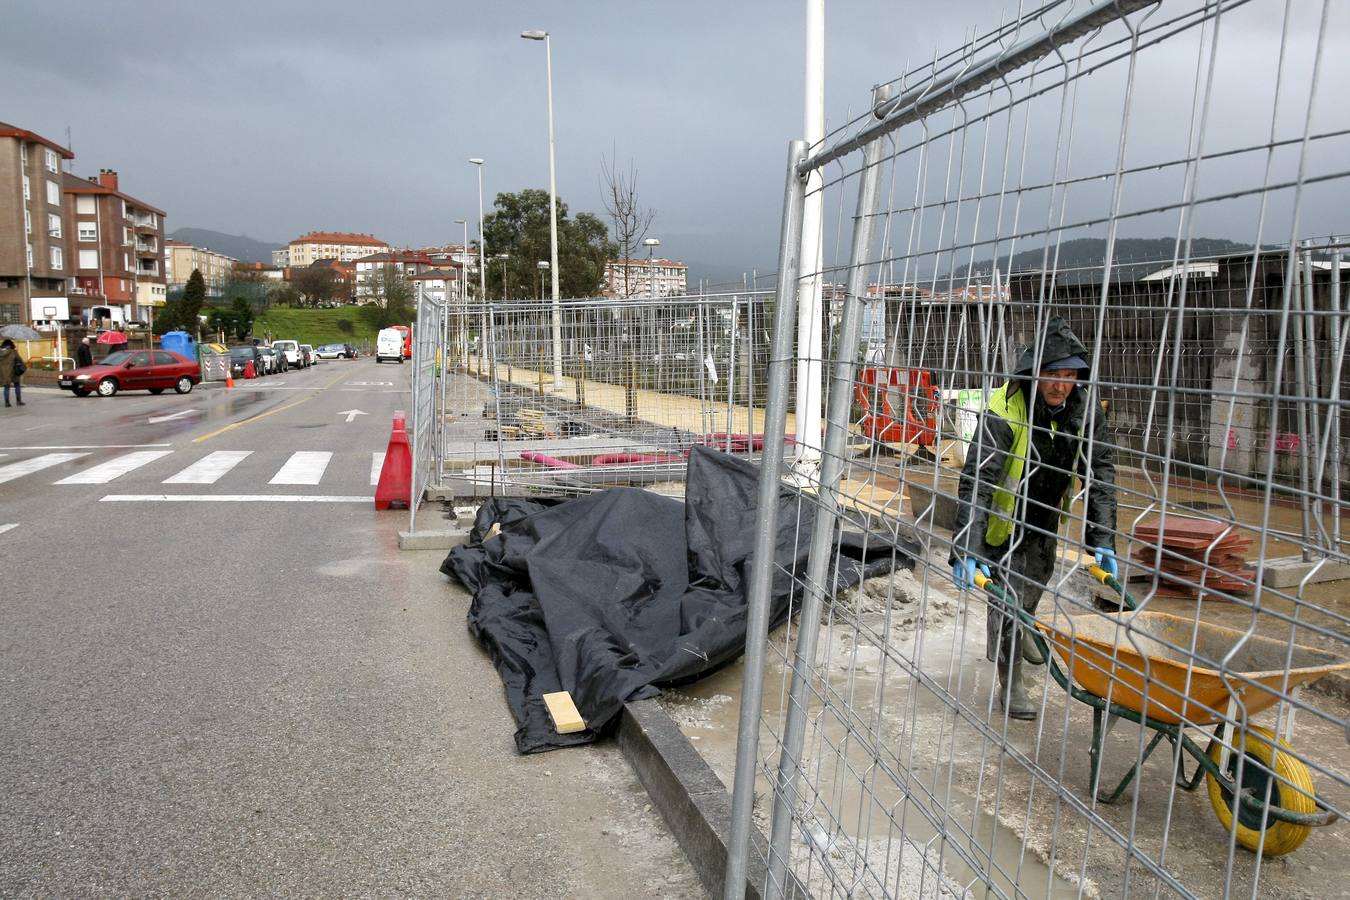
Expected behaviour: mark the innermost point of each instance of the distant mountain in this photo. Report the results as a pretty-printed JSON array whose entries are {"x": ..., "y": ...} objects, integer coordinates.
[
  {"x": 241, "y": 247},
  {"x": 1133, "y": 257}
]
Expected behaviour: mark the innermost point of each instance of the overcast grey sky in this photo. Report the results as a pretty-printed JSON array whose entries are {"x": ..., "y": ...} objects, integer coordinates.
[{"x": 271, "y": 119}]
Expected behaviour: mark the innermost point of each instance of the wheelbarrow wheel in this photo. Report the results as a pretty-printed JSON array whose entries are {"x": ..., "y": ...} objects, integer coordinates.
[{"x": 1290, "y": 790}]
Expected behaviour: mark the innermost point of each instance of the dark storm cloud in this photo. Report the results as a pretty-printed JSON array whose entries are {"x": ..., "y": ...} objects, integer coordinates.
[{"x": 274, "y": 118}]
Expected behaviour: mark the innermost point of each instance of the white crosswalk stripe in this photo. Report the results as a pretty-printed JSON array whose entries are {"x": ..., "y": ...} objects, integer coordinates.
[
  {"x": 376, "y": 464},
  {"x": 210, "y": 468},
  {"x": 115, "y": 468},
  {"x": 4, "y": 528},
  {"x": 36, "y": 464},
  {"x": 304, "y": 467}
]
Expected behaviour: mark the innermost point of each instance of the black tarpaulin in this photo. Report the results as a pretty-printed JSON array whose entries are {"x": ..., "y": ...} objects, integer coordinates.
[{"x": 611, "y": 595}]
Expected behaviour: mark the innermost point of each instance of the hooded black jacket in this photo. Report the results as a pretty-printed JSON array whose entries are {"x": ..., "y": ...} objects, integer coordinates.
[{"x": 1053, "y": 457}]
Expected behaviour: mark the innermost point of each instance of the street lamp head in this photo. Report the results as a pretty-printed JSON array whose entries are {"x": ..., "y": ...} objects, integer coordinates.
[
  {"x": 461, "y": 222},
  {"x": 651, "y": 242},
  {"x": 542, "y": 264},
  {"x": 534, "y": 35},
  {"x": 476, "y": 161}
]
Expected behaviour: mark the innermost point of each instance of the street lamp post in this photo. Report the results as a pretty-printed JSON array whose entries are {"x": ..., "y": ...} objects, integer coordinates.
[
  {"x": 503, "y": 258},
  {"x": 651, "y": 244},
  {"x": 464, "y": 299},
  {"x": 552, "y": 210},
  {"x": 482, "y": 267}
]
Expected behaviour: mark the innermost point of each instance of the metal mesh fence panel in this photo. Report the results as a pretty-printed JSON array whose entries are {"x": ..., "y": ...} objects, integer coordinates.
[
  {"x": 643, "y": 380},
  {"x": 428, "y": 400},
  {"x": 1154, "y": 509}
]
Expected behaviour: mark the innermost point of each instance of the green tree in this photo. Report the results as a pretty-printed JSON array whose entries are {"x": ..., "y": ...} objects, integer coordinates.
[
  {"x": 279, "y": 293},
  {"x": 191, "y": 303},
  {"x": 247, "y": 283},
  {"x": 317, "y": 285},
  {"x": 392, "y": 293},
  {"x": 243, "y": 317},
  {"x": 519, "y": 228}
]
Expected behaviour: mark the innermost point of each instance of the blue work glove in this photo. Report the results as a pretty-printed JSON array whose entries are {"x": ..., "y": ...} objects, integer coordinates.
[
  {"x": 1106, "y": 558},
  {"x": 963, "y": 572}
]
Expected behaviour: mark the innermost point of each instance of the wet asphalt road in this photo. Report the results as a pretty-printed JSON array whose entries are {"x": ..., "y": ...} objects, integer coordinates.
[{"x": 221, "y": 697}]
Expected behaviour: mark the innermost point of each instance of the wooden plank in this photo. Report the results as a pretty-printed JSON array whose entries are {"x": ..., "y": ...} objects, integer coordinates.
[{"x": 566, "y": 718}]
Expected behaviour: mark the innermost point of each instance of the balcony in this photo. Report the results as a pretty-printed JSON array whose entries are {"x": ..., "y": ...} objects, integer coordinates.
[
  {"x": 143, "y": 269},
  {"x": 145, "y": 222},
  {"x": 146, "y": 246}
]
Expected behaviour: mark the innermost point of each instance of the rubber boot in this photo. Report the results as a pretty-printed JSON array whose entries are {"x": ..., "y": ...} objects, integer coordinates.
[
  {"x": 1012, "y": 690},
  {"x": 1030, "y": 652}
]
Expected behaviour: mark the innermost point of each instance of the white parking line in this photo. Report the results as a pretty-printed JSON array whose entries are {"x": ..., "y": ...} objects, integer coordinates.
[
  {"x": 232, "y": 498},
  {"x": 4, "y": 528},
  {"x": 114, "y": 468},
  {"x": 87, "y": 447},
  {"x": 304, "y": 467},
  {"x": 36, "y": 464},
  {"x": 376, "y": 464},
  {"x": 210, "y": 468}
]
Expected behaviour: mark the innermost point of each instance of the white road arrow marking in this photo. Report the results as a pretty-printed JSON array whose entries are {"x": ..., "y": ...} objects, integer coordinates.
[
  {"x": 177, "y": 415},
  {"x": 351, "y": 413}
]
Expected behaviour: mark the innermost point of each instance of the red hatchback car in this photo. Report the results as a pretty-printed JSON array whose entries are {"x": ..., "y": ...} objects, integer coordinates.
[{"x": 134, "y": 370}]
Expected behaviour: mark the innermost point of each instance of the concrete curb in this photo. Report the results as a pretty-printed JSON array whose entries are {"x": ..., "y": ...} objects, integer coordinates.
[
  {"x": 690, "y": 797},
  {"x": 431, "y": 540}
]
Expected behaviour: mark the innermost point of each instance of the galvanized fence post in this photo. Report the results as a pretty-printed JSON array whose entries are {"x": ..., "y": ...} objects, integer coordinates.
[
  {"x": 762, "y": 561},
  {"x": 827, "y": 517}
]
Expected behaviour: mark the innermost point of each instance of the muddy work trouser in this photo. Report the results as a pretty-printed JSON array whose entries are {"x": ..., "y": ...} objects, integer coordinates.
[{"x": 1026, "y": 572}]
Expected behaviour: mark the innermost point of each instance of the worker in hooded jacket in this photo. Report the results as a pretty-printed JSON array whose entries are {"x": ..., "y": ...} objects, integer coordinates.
[{"x": 1039, "y": 432}]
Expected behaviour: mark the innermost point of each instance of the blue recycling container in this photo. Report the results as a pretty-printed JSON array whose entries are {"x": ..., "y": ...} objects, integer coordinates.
[{"x": 179, "y": 342}]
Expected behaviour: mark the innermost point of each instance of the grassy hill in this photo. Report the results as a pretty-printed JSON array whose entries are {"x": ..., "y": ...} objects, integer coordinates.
[{"x": 347, "y": 325}]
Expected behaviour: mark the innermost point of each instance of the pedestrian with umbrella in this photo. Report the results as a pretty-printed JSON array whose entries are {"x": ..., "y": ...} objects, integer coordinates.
[
  {"x": 112, "y": 337},
  {"x": 11, "y": 370}
]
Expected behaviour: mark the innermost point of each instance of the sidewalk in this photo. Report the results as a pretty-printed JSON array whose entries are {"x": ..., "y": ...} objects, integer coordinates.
[
  {"x": 572, "y": 823},
  {"x": 669, "y": 410}
]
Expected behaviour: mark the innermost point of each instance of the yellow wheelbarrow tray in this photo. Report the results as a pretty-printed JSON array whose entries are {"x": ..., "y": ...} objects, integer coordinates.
[{"x": 1140, "y": 667}]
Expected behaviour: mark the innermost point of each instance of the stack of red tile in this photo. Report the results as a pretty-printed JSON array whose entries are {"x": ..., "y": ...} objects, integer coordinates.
[{"x": 1192, "y": 558}]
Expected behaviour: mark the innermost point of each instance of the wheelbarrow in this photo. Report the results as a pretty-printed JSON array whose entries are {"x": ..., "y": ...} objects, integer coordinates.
[{"x": 1125, "y": 666}]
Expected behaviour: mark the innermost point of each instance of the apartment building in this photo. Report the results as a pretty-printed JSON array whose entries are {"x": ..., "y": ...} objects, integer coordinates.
[
  {"x": 407, "y": 263},
  {"x": 281, "y": 258},
  {"x": 34, "y": 226},
  {"x": 439, "y": 285},
  {"x": 181, "y": 258},
  {"x": 118, "y": 246},
  {"x": 339, "y": 245},
  {"x": 646, "y": 278}
]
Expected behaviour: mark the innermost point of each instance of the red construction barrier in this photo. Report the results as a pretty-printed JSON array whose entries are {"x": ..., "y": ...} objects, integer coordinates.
[
  {"x": 907, "y": 409},
  {"x": 613, "y": 459},
  {"x": 545, "y": 460},
  {"x": 395, "y": 484}
]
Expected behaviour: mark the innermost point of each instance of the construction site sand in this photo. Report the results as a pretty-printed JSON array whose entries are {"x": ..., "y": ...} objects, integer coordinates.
[{"x": 1031, "y": 831}]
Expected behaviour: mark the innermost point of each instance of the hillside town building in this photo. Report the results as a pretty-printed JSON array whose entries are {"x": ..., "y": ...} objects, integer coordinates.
[
  {"x": 34, "y": 227},
  {"x": 645, "y": 278}
]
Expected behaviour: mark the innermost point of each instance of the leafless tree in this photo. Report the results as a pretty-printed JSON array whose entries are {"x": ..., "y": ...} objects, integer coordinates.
[{"x": 631, "y": 219}]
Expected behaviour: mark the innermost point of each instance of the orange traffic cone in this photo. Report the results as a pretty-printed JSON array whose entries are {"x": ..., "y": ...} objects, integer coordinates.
[
  {"x": 229, "y": 376},
  {"x": 395, "y": 484},
  {"x": 248, "y": 370}
]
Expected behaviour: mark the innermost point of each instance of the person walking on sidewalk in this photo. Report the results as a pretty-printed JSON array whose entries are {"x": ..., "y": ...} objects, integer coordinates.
[
  {"x": 1039, "y": 431},
  {"x": 11, "y": 370},
  {"x": 84, "y": 356}
]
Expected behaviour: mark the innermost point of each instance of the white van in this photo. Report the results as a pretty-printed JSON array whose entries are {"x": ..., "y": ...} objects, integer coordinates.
[
  {"x": 389, "y": 345},
  {"x": 292, "y": 350}
]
